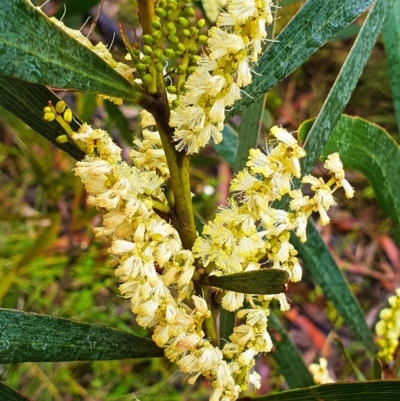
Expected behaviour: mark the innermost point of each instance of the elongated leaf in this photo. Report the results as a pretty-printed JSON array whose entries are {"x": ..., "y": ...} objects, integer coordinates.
[
  {"x": 248, "y": 132},
  {"x": 264, "y": 281},
  {"x": 227, "y": 149},
  {"x": 9, "y": 394},
  {"x": 322, "y": 268},
  {"x": 291, "y": 364},
  {"x": 316, "y": 23},
  {"x": 368, "y": 148},
  {"x": 345, "y": 83},
  {"x": 27, "y": 101},
  {"x": 29, "y": 337},
  {"x": 391, "y": 38},
  {"x": 34, "y": 49},
  {"x": 382, "y": 390}
]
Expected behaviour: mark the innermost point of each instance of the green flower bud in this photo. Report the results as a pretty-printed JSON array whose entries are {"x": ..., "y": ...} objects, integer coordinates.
[
  {"x": 173, "y": 39},
  {"x": 193, "y": 50},
  {"x": 172, "y": 6},
  {"x": 159, "y": 67},
  {"x": 145, "y": 60},
  {"x": 47, "y": 109},
  {"x": 169, "y": 53},
  {"x": 157, "y": 35},
  {"x": 175, "y": 104},
  {"x": 186, "y": 33},
  {"x": 189, "y": 11},
  {"x": 171, "y": 27},
  {"x": 193, "y": 31},
  {"x": 183, "y": 22},
  {"x": 158, "y": 53},
  {"x": 181, "y": 47},
  {"x": 147, "y": 39},
  {"x": 201, "y": 23},
  {"x": 147, "y": 79},
  {"x": 191, "y": 69},
  {"x": 50, "y": 116},
  {"x": 155, "y": 24},
  {"x": 68, "y": 115},
  {"x": 60, "y": 106},
  {"x": 62, "y": 139},
  {"x": 180, "y": 69},
  {"x": 147, "y": 50},
  {"x": 172, "y": 89},
  {"x": 160, "y": 12},
  {"x": 202, "y": 39},
  {"x": 141, "y": 67},
  {"x": 195, "y": 59},
  {"x": 182, "y": 87}
]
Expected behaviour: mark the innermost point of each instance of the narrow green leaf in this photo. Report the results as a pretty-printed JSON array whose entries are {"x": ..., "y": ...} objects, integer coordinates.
[
  {"x": 76, "y": 7},
  {"x": 9, "y": 394},
  {"x": 264, "y": 281},
  {"x": 377, "y": 369},
  {"x": 391, "y": 39},
  {"x": 34, "y": 49},
  {"x": 120, "y": 121},
  {"x": 227, "y": 321},
  {"x": 316, "y": 23},
  {"x": 29, "y": 337},
  {"x": 344, "y": 84},
  {"x": 323, "y": 270},
  {"x": 26, "y": 101},
  {"x": 368, "y": 148},
  {"x": 227, "y": 149},
  {"x": 359, "y": 375},
  {"x": 382, "y": 390},
  {"x": 248, "y": 132},
  {"x": 291, "y": 364}
]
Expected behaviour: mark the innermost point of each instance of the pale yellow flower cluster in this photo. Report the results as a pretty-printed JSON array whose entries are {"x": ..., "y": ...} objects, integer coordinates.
[
  {"x": 154, "y": 269},
  {"x": 233, "y": 47},
  {"x": 388, "y": 328},
  {"x": 320, "y": 372},
  {"x": 250, "y": 229}
]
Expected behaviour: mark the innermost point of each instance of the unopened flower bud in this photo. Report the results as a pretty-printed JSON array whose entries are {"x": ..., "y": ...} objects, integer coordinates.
[
  {"x": 50, "y": 116},
  {"x": 60, "y": 106},
  {"x": 172, "y": 89},
  {"x": 181, "y": 47},
  {"x": 147, "y": 50},
  {"x": 155, "y": 24},
  {"x": 147, "y": 79},
  {"x": 202, "y": 39},
  {"x": 160, "y": 12},
  {"x": 147, "y": 39},
  {"x": 68, "y": 115},
  {"x": 183, "y": 22},
  {"x": 186, "y": 33},
  {"x": 141, "y": 67},
  {"x": 62, "y": 139},
  {"x": 201, "y": 23},
  {"x": 169, "y": 53},
  {"x": 189, "y": 11},
  {"x": 173, "y": 39},
  {"x": 157, "y": 35},
  {"x": 159, "y": 67}
]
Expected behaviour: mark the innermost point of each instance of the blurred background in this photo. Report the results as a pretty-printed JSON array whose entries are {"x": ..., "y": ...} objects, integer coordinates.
[{"x": 50, "y": 262}]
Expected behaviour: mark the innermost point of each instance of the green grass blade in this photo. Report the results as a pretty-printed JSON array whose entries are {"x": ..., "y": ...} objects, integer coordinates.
[
  {"x": 391, "y": 39},
  {"x": 33, "y": 48},
  {"x": 368, "y": 148},
  {"x": 26, "y": 101},
  {"x": 379, "y": 390},
  {"x": 29, "y": 337},
  {"x": 9, "y": 394},
  {"x": 316, "y": 23},
  {"x": 291, "y": 364},
  {"x": 248, "y": 132},
  {"x": 323, "y": 270},
  {"x": 344, "y": 84}
]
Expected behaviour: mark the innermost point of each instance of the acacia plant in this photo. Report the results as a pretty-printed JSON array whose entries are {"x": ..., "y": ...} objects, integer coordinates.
[{"x": 206, "y": 297}]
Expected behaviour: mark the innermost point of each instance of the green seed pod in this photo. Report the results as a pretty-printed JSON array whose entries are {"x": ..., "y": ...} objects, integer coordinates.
[
  {"x": 159, "y": 67},
  {"x": 147, "y": 79},
  {"x": 160, "y": 12},
  {"x": 173, "y": 39},
  {"x": 172, "y": 89},
  {"x": 141, "y": 67},
  {"x": 181, "y": 47},
  {"x": 68, "y": 115},
  {"x": 189, "y": 11},
  {"x": 157, "y": 35},
  {"x": 60, "y": 106},
  {"x": 193, "y": 50},
  {"x": 62, "y": 139},
  {"x": 169, "y": 53},
  {"x": 155, "y": 24},
  {"x": 191, "y": 69},
  {"x": 147, "y": 50},
  {"x": 186, "y": 33},
  {"x": 202, "y": 39},
  {"x": 146, "y": 60},
  {"x": 183, "y": 22},
  {"x": 49, "y": 116},
  {"x": 147, "y": 39},
  {"x": 201, "y": 23}
]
